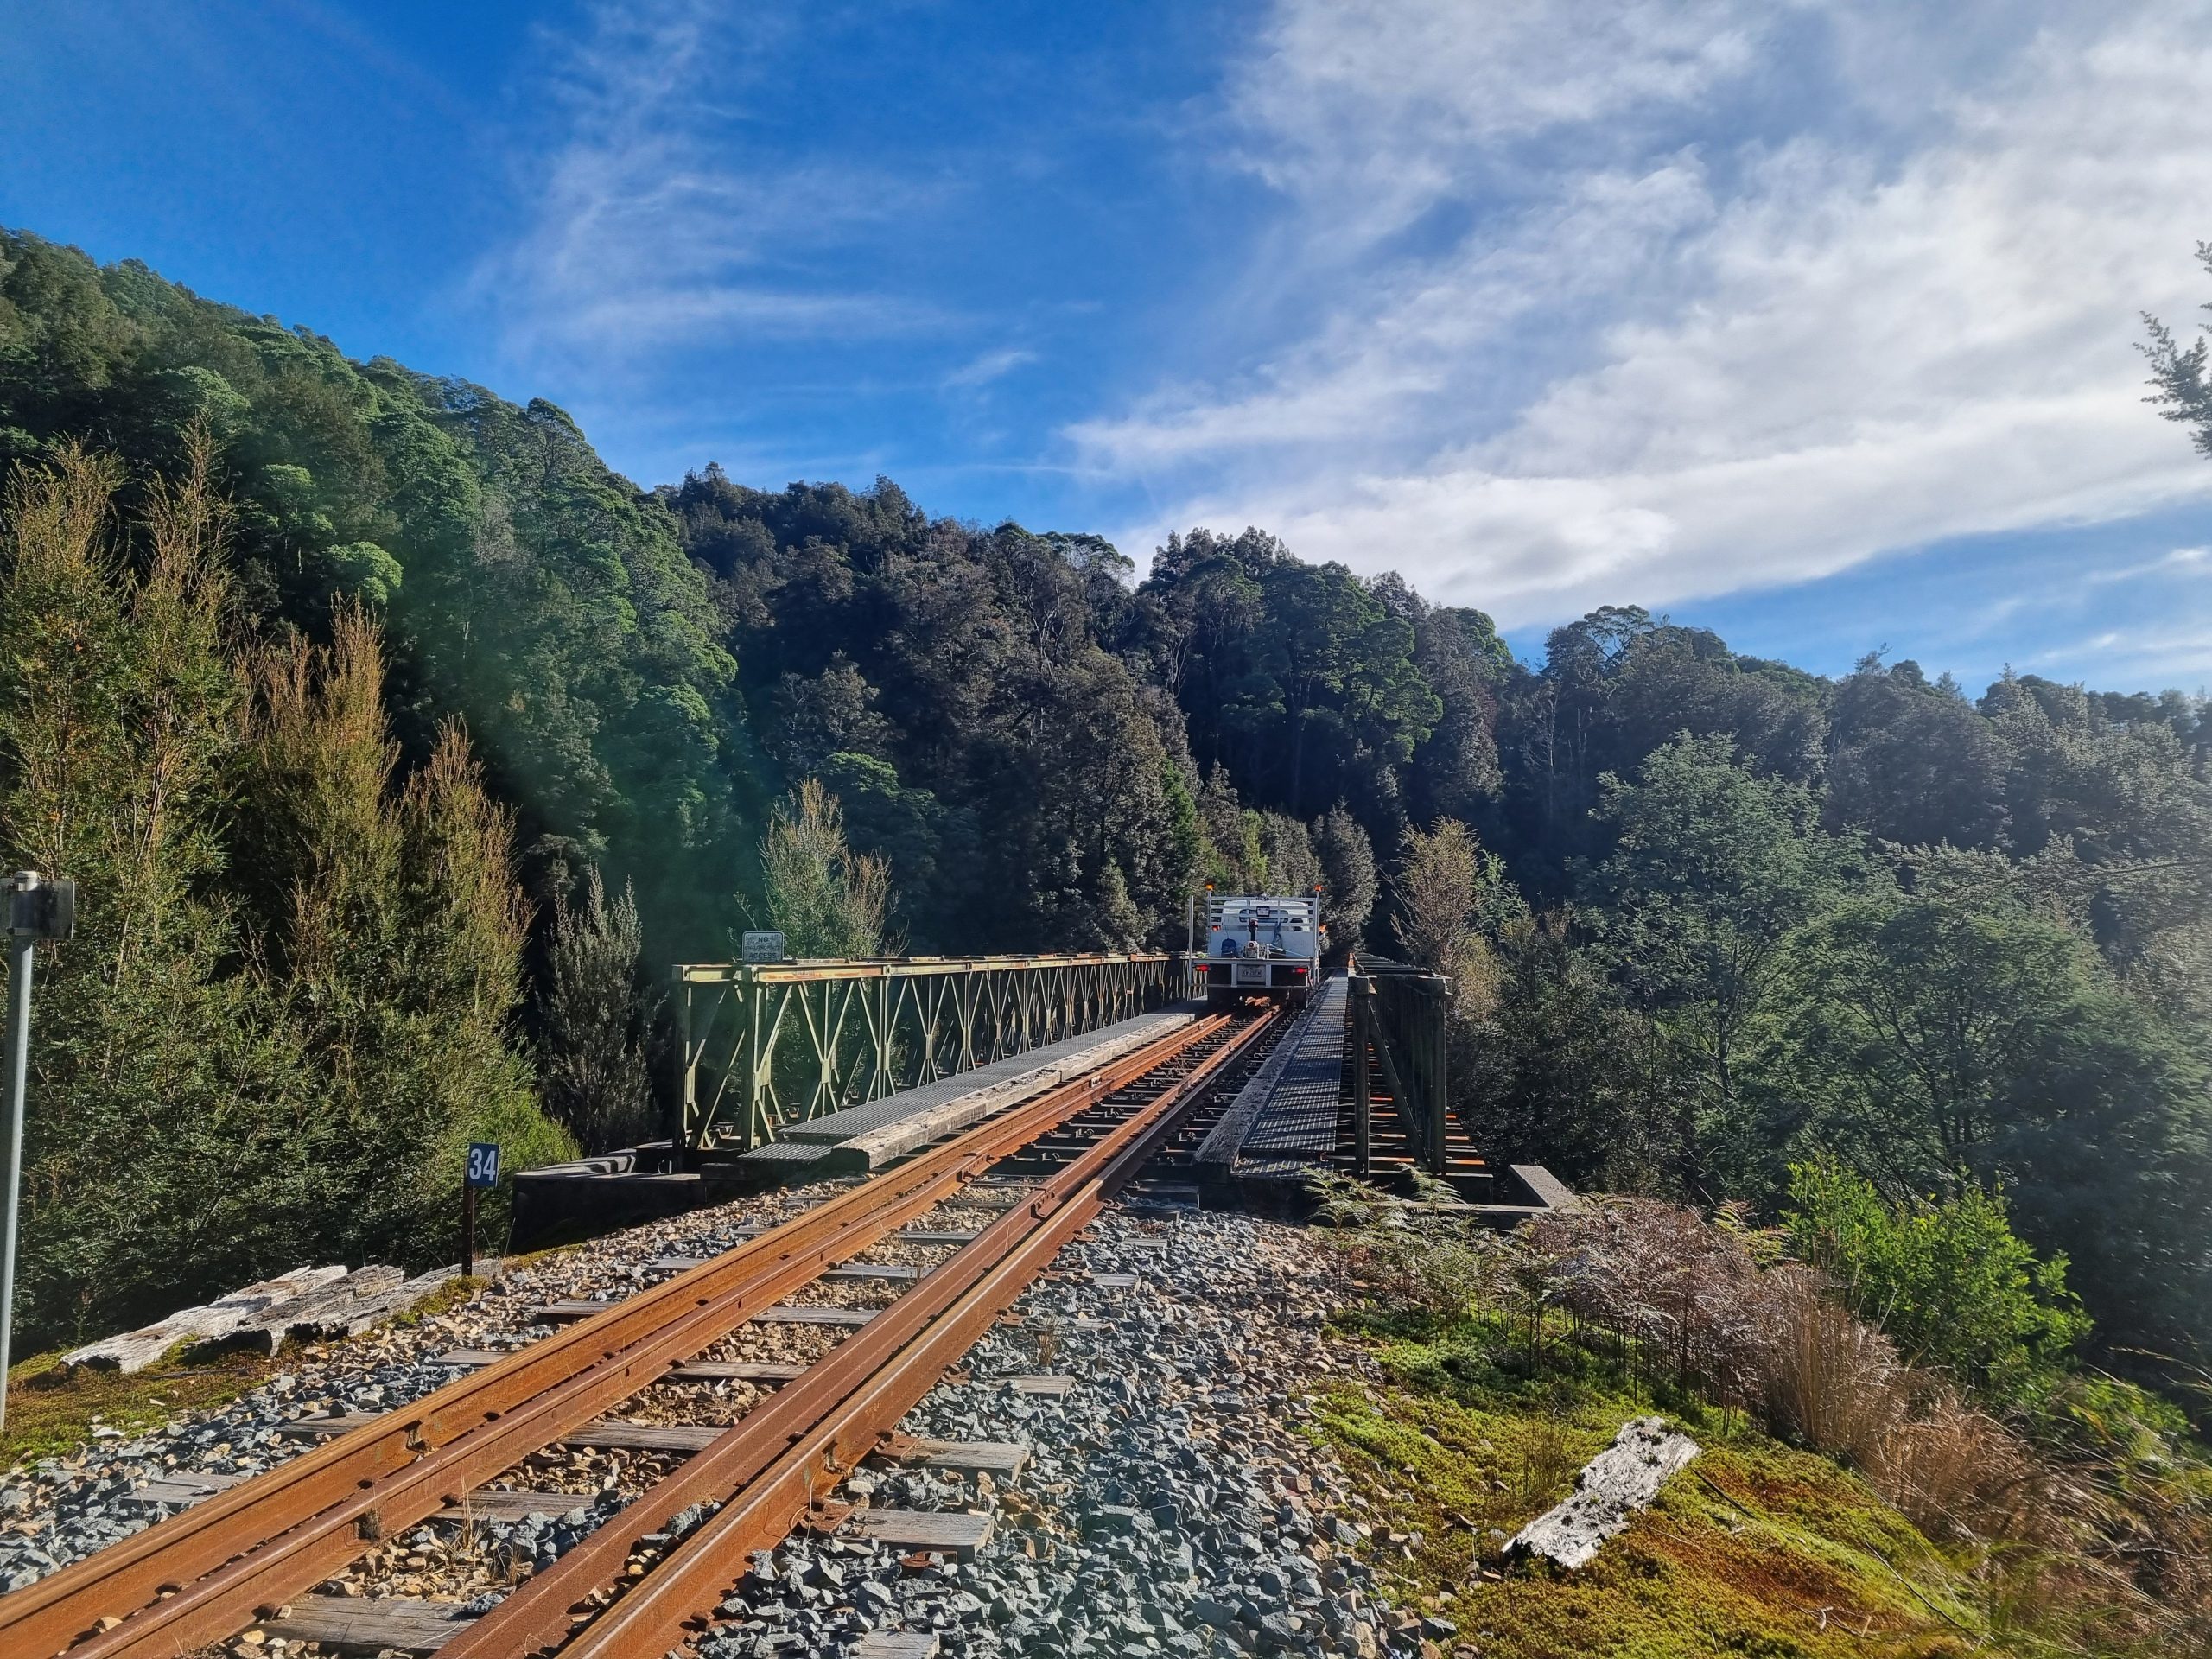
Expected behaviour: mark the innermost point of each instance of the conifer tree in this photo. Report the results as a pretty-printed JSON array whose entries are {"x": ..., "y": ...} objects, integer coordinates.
[
  {"x": 164, "y": 1136},
  {"x": 597, "y": 1019},
  {"x": 825, "y": 899}
]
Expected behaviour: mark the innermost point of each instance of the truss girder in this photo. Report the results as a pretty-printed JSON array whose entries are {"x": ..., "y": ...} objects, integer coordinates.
[{"x": 768, "y": 1045}]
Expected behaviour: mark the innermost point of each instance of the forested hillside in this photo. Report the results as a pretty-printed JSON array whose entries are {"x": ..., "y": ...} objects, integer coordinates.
[{"x": 1710, "y": 915}]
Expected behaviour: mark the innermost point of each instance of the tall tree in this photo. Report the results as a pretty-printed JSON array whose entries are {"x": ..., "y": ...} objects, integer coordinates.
[
  {"x": 1561, "y": 1073},
  {"x": 1447, "y": 897},
  {"x": 1942, "y": 1044},
  {"x": 1348, "y": 875},
  {"x": 524, "y": 588},
  {"x": 1713, "y": 868},
  {"x": 387, "y": 902},
  {"x": 1911, "y": 762},
  {"x": 302, "y": 969},
  {"x": 118, "y": 714}
]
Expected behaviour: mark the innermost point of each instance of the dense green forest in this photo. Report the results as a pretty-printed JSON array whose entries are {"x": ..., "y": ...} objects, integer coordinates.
[{"x": 1710, "y": 916}]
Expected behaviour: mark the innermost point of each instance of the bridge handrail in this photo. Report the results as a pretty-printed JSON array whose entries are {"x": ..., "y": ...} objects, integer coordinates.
[
  {"x": 811, "y": 971},
  {"x": 1401, "y": 1013}
]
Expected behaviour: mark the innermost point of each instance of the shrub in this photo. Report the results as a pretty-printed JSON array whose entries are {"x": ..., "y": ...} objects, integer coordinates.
[
  {"x": 825, "y": 899},
  {"x": 1692, "y": 1299},
  {"x": 597, "y": 1016},
  {"x": 1950, "y": 1282}
]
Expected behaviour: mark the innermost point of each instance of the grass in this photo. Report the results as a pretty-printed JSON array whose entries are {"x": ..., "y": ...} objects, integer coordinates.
[
  {"x": 1755, "y": 1549},
  {"x": 53, "y": 1412},
  {"x": 456, "y": 1292}
]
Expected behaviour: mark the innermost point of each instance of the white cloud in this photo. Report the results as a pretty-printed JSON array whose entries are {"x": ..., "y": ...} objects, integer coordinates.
[
  {"x": 989, "y": 366},
  {"x": 2180, "y": 656},
  {"x": 1680, "y": 357},
  {"x": 2183, "y": 560},
  {"x": 649, "y": 224},
  {"x": 1380, "y": 108}
]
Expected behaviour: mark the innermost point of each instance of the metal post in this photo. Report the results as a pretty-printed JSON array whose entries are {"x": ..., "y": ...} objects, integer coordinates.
[
  {"x": 756, "y": 1072},
  {"x": 36, "y": 909},
  {"x": 686, "y": 1134},
  {"x": 1439, "y": 1009},
  {"x": 467, "y": 1228},
  {"x": 21, "y": 947}
]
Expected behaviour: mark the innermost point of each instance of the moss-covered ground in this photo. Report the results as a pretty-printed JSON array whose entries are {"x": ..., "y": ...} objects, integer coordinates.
[
  {"x": 1755, "y": 1548},
  {"x": 52, "y": 1412}
]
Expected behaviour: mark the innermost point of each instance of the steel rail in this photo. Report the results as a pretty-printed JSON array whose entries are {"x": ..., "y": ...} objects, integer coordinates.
[
  {"x": 767, "y": 1470},
  {"x": 215, "y": 1566}
]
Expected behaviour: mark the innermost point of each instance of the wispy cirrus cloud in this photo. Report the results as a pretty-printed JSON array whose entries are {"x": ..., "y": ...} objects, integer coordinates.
[
  {"x": 2179, "y": 656},
  {"x": 1375, "y": 111},
  {"x": 2183, "y": 560},
  {"x": 658, "y": 216},
  {"x": 990, "y": 365},
  {"x": 1661, "y": 331}
]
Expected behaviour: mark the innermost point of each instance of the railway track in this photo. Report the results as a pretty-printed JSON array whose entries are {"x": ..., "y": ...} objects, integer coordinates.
[{"x": 219, "y": 1567}]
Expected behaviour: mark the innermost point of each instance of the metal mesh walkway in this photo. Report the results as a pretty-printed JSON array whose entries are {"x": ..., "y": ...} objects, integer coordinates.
[{"x": 1293, "y": 1126}]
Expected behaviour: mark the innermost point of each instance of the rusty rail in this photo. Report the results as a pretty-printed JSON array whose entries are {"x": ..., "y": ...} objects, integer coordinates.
[
  {"x": 200, "y": 1575},
  {"x": 766, "y": 1471}
]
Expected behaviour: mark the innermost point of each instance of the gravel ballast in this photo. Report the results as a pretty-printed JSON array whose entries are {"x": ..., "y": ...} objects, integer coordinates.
[{"x": 1172, "y": 1502}]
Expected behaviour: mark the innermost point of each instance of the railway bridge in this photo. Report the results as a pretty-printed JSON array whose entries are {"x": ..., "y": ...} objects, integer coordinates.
[
  {"x": 960, "y": 1127},
  {"x": 796, "y": 1070}
]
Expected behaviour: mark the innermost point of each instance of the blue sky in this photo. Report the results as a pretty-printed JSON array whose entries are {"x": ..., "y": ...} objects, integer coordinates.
[{"x": 1811, "y": 322}]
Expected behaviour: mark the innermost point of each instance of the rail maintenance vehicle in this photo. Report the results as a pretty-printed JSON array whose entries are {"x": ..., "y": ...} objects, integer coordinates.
[{"x": 1267, "y": 947}]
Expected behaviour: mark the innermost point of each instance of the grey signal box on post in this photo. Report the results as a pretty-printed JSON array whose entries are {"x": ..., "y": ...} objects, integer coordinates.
[{"x": 39, "y": 908}]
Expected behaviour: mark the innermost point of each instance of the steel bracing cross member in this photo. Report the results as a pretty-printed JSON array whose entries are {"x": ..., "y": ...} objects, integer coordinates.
[{"x": 767, "y": 1045}]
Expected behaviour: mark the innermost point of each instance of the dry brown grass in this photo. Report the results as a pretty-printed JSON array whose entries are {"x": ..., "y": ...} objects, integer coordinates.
[
  {"x": 2081, "y": 1555},
  {"x": 2085, "y": 1551},
  {"x": 1775, "y": 1341}
]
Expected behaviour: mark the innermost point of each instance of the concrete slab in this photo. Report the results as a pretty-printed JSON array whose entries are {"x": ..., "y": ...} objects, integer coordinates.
[{"x": 864, "y": 1138}]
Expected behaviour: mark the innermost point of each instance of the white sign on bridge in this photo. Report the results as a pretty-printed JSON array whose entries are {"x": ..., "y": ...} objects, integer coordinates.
[{"x": 762, "y": 947}]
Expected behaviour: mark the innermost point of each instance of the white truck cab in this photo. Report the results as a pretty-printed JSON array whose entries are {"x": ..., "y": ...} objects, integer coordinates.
[{"x": 1267, "y": 947}]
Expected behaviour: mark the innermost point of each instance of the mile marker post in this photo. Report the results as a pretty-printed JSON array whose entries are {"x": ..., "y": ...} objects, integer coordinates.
[
  {"x": 35, "y": 908},
  {"x": 483, "y": 1170}
]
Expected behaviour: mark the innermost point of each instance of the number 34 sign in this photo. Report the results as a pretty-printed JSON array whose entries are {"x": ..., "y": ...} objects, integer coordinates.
[{"x": 483, "y": 1163}]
